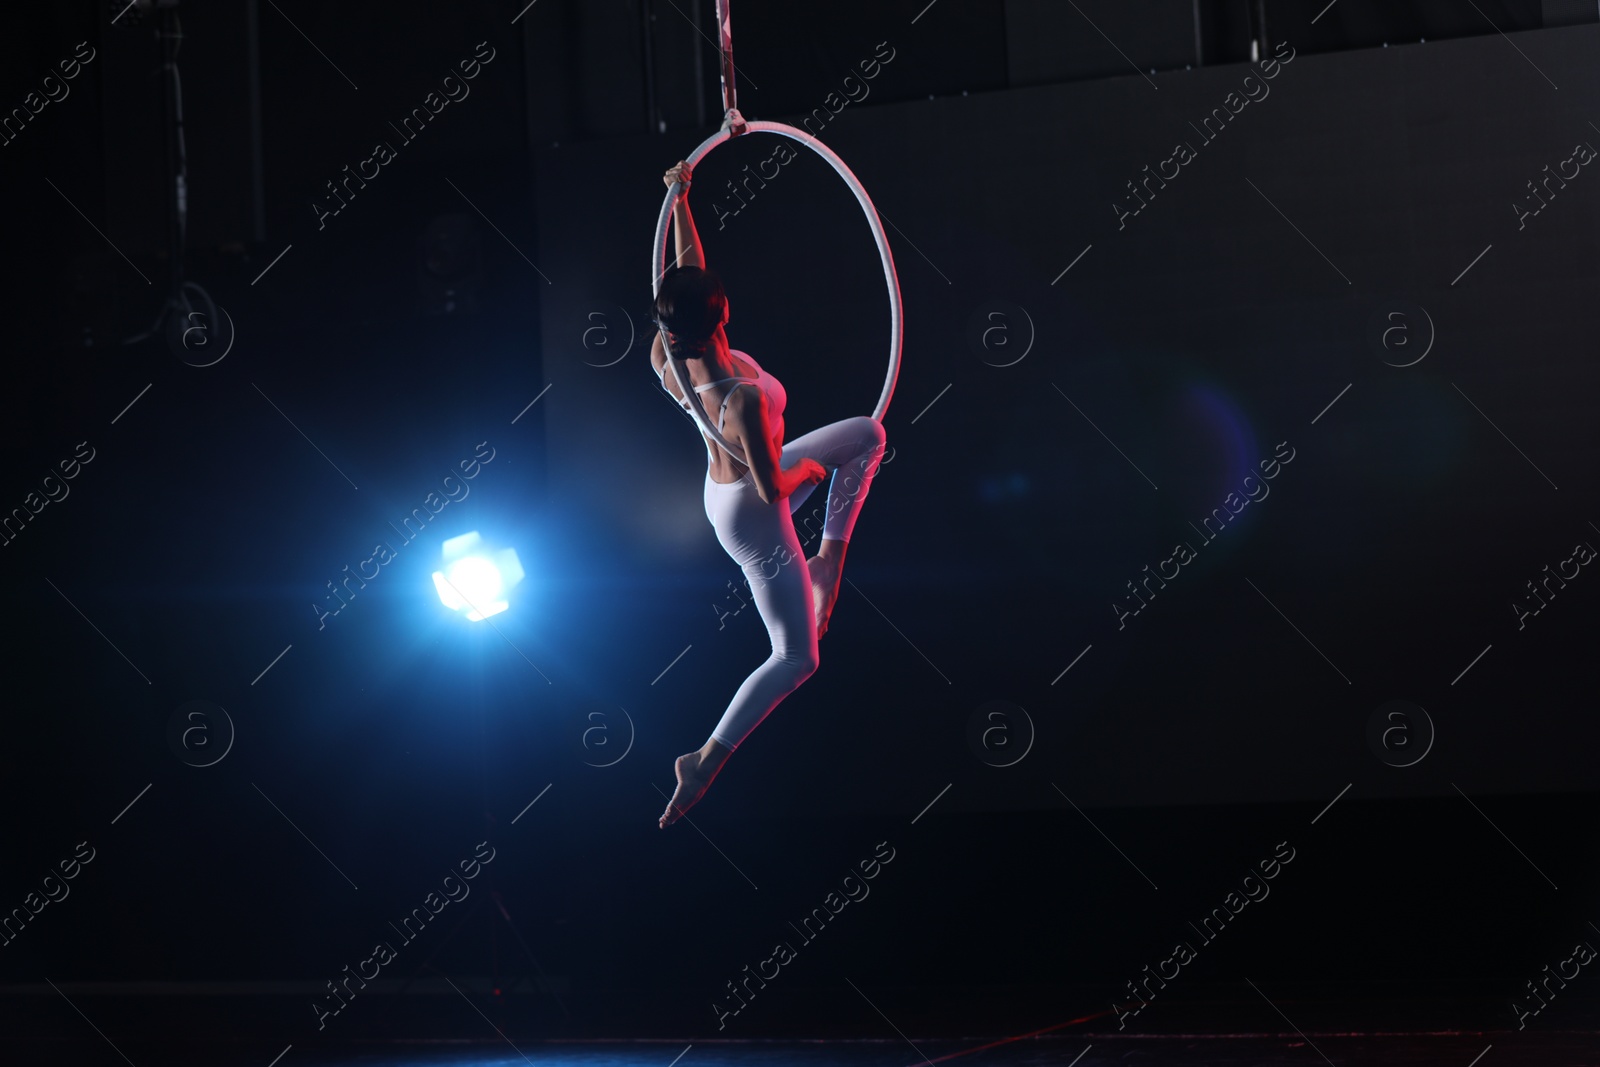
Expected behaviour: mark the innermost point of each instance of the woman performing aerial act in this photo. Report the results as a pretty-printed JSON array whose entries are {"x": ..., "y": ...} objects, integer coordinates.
[{"x": 750, "y": 505}]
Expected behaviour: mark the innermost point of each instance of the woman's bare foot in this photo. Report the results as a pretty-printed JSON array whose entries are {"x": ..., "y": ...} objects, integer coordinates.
[
  {"x": 825, "y": 578},
  {"x": 693, "y": 780}
]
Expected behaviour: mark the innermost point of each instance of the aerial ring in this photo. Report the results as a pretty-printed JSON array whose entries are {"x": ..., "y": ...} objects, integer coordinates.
[{"x": 658, "y": 262}]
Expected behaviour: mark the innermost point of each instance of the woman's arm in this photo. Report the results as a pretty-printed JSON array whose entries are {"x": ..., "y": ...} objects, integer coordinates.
[
  {"x": 658, "y": 358},
  {"x": 690, "y": 254},
  {"x": 745, "y": 424}
]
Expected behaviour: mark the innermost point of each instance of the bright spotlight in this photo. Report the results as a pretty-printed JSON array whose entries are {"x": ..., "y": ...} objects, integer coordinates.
[{"x": 476, "y": 578}]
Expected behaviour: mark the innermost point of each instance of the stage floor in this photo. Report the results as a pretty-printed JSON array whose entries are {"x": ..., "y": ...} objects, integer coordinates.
[
  {"x": 1240, "y": 1050},
  {"x": 1392, "y": 1049},
  {"x": 1393, "y": 1024}
]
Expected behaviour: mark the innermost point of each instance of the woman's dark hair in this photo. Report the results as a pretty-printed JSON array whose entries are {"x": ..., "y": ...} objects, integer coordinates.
[{"x": 690, "y": 304}]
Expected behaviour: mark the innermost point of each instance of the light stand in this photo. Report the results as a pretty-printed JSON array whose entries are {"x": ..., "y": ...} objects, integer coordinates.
[{"x": 186, "y": 300}]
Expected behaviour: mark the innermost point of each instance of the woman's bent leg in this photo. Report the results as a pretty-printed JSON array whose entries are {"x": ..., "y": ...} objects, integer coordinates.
[{"x": 852, "y": 449}]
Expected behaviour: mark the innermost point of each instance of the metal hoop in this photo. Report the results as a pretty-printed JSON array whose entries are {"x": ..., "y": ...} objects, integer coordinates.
[{"x": 891, "y": 279}]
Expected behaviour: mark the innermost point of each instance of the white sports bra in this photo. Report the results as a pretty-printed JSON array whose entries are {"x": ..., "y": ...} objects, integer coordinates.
[{"x": 777, "y": 397}]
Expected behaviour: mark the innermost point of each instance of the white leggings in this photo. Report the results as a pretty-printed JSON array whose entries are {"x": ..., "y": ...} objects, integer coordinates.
[{"x": 761, "y": 538}]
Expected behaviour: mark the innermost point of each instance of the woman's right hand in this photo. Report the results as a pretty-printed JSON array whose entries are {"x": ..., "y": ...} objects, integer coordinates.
[
  {"x": 806, "y": 472},
  {"x": 811, "y": 472},
  {"x": 678, "y": 172}
]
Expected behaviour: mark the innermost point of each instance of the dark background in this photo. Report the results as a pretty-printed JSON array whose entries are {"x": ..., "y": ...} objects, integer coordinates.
[{"x": 504, "y": 252}]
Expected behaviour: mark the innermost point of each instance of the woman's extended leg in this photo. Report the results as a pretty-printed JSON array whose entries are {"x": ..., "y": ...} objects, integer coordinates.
[
  {"x": 852, "y": 449},
  {"x": 761, "y": 539}
]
